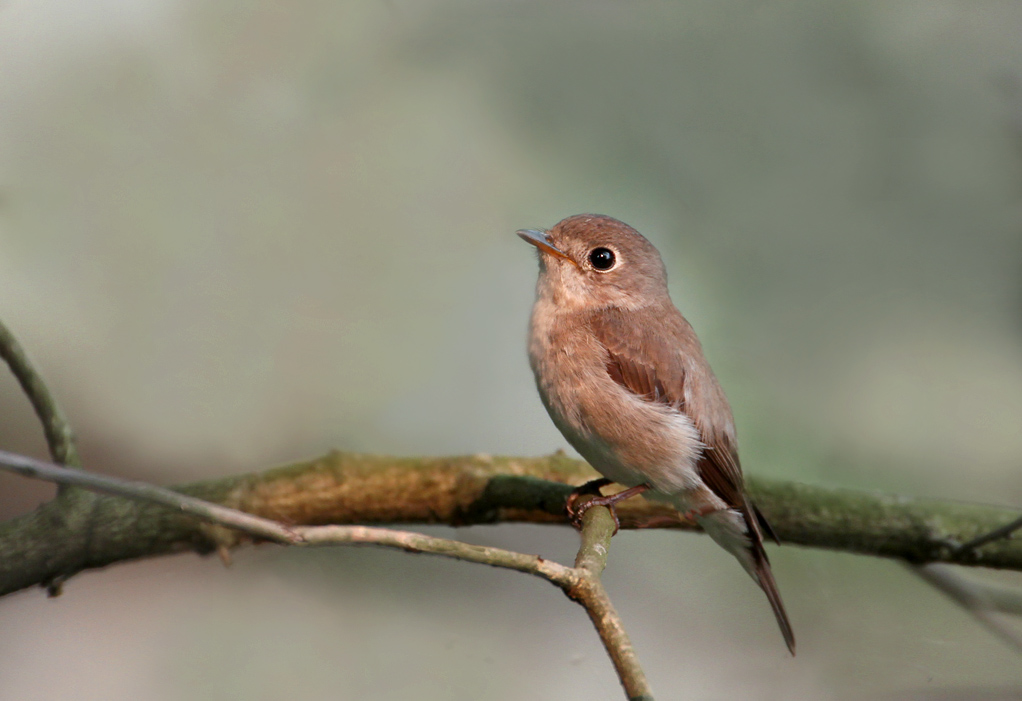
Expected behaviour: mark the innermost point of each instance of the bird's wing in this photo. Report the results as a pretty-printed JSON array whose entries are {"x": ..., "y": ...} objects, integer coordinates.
[
  {"x": 654, "y": 353},
  {"x": 720, "y": 469},
  {"x": 639, "y": 358}
]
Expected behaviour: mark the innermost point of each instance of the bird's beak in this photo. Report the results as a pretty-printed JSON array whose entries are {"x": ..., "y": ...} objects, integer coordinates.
[{"x": 540, "y": 240}]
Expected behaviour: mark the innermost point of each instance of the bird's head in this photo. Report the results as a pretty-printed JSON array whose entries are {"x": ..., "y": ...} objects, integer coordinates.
[{"x": 596, "y": 261}]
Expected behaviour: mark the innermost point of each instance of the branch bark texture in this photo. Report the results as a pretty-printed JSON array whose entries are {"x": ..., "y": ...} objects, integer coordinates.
[{"x": 50, "y": 544}]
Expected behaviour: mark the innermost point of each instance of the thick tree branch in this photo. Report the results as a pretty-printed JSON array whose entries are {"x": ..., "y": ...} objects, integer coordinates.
[{"x": 344, "y": 488}]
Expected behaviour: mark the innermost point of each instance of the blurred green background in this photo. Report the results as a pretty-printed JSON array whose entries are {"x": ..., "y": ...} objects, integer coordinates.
[{"x": 236, "y": 234}]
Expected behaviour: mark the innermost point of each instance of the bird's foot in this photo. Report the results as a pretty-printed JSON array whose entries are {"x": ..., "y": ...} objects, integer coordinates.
[{"x": 591, "y": 489}]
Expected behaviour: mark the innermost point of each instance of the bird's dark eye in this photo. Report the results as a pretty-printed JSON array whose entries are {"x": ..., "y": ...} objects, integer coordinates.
[{"x": 602, "y": 258}]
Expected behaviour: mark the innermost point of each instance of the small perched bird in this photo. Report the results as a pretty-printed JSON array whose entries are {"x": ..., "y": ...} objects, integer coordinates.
[{"x": 623, "y": 377}]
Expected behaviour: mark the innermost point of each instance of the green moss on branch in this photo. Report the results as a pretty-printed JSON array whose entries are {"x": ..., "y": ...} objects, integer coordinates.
[{"x": 58, "y": 540}]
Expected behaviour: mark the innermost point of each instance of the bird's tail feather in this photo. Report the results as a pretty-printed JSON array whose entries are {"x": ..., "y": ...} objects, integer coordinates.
[
  {"x": 765, "y": 579},
  {"x": 734, "y": 531}
]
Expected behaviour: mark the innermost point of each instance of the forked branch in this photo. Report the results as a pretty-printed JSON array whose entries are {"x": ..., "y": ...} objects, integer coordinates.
[{"x": 580, "y": 583}]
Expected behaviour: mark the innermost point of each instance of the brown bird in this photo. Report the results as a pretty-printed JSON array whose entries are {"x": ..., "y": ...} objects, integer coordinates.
[{"x": 623, "y": 377}]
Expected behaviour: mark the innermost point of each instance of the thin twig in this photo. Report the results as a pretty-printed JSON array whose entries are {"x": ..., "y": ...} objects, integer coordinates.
[
  {"x": 59, "y": 436},
  {"x": 996, "y": 534},
  {"x": 598, "y": 527},
  {"x": 419, "y": 543},
  {"x": 581, "y": 583},
  {"x": 981, "y": 600},
  {"x": 141, "y": 491}
]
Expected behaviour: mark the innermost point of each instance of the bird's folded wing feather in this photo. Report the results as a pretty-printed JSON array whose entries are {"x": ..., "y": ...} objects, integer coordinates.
[{"x": 654, "y": 353}]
